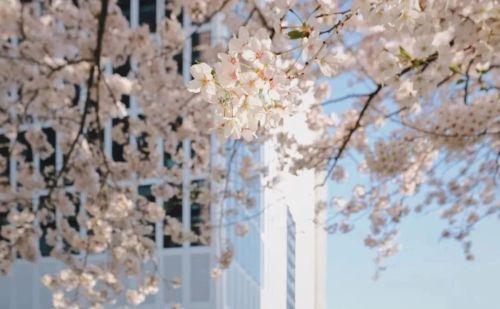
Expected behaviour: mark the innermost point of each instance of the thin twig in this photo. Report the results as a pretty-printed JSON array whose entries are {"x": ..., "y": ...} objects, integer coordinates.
[
  {"x": 346, "y": 97},
  {"x": 349, "y": 135},
  {"x": 467, "y": 81}
]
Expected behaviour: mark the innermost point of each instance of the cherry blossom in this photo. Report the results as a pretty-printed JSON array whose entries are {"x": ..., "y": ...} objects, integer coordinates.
[
  {"x": 417, "y": 117},
  {"x": 203, "y": 81}
]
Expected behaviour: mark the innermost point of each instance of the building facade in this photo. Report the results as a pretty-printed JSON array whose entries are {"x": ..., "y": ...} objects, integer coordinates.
[
  {"x": 278, "y": 264},
  {"x": 294, "y": 250}
]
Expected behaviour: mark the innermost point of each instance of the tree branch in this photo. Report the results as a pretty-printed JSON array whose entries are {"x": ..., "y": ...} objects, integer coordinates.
[
  {"x": 467, "y": 81},
  {"x": 349, "y": 96},
  {"x": 90, "y": 83},
  {"x": 349, "y": 135}
]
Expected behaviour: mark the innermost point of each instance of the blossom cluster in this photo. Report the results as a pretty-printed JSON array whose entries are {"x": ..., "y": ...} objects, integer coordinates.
[
  {"x": 91, "y": 106},
  {"x": 425, "y": 85},
  {"x": 248, "y": 85}
]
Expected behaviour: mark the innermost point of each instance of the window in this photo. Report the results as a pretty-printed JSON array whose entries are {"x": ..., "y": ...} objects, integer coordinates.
[
  {"x": 94, "y": 136},
  {"x": 4, "y": 160},
  {"x": 24, "y": 158},
  {"x": 47, "y": 217},
  {"x": 178, "y": 57},
  {"x": 123, "y": 69},
  {"x": 120, "y": 138},
  {"x": 125, "y": 7},
  {"x": 3, "y": 222},
  {"x": 248, "y": 247},
  {"x": 26, "y": 154},
  {"x": 199, "y": 213},
  {"x": 168, "y": 157},
  {"x": 200, "y": 40},
  {"x": 145, "y": 145},
  {"x": 173, "y": 209},
  {"x": 147, "y": 196},
  {"x": 195, "y": 42},
  {"x": 48, "y": 163},
  {"x": 74, "y": 199},
  {"x": 147, "y": 14},
  {"x": 168, "y": 161},
  {"x": 48, "y": 223}
]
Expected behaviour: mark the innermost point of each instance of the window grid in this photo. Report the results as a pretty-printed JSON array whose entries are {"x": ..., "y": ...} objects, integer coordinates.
[
  {"x": 247, "y": 247},
  {"x": 52, "y": 164},
  {"x": 132, "y": 111}
]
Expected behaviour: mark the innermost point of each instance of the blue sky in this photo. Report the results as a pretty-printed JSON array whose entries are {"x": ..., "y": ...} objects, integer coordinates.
[{"x": 428, "y": 273}]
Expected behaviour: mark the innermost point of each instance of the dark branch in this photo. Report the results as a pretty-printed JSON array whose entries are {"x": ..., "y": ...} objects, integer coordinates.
[
  {"x": 264, "y": 21},
  {"x": 421, "y": 63},
  {"x": 334, "y": 13},
  {"x": 352, "y": 130},
  {"x": 90, "y": 83},
  {"x": 338, "y": 24},
  {"x": 467, "y": 81},
  {"x": 346, "y": 97}
]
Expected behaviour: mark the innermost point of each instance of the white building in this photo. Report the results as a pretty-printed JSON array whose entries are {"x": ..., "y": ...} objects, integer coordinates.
[
  {"x": 293, "y": 235},
  {"x": 279, "y": 264}
]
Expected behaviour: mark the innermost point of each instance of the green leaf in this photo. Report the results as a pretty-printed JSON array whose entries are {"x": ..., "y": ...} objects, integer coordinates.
[
  {"x": 404, "y": 54},
  {"x": 417, "y": 62},
  {"x": 481, "y": 71},
  {"x": 296, "y": 34},
  {"x": 455, "y": 69},
  {"x": 460, "y": 81}
]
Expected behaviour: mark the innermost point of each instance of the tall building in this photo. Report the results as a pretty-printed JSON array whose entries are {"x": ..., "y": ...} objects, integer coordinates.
[
  {"x": 294, "y": 250},
  {"x": 278, "y": 264}
]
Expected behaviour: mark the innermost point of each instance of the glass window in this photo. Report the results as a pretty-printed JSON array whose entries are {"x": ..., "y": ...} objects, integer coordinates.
[
  {"x": 3, "y": 222},
  {"x": 94, "y": 136},
  {"x": 125, "y": 7},
  {"x": 199, "y": 213},
  {"x": 123, "y": 69},
  {"x": 178, "y": 57},
  {"x": 24, "y": 159},
  {"x": 199, "y": 41},
  {"x": 47, "y": 218},
  {"x": 74, "y": 199},
  {"x": 144, "y": 144},
  {"x": 145, "y": 191},
  {"x": 4, "y": 160},
  {"x": 147, "y": 14},
  {"x": 147, "y": 196},
  {"x": 173, "y": 209},
  {"x": 120, "y": 138},
  {"x": 48, "y": 164},
  {"x": 195, "y": 42},
  {"x": 26, "y": 152},
  {"x": 168, "y": 158},
  {"x": 168, "y": 162}
]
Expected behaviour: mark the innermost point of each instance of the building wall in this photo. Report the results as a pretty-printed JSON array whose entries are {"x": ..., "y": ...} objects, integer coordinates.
[
  {"x": 291, "y": 240},
  {"x": 244, "y": 276},
  {"x": 190, "y": 262},
  {"x": 298, "y": 195}
]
